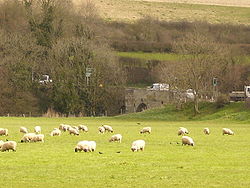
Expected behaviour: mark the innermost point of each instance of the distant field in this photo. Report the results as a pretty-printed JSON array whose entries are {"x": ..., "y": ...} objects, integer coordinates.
[
  {"x": 215, "y": 161},
  {"x": 150, "y": 56},
  {"x": 131, "y": 10}
]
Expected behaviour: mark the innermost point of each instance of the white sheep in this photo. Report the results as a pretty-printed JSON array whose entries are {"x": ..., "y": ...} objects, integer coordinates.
[
  {"x": 108, "y": 128},
  {"x": 101, "y": 129},
  {"x": 227, "y": 131},
  {"x": 206, "y": 131},
  {"x": 116, "y": 137},
  {"x": 84, "y": 128},
  {"x": 28, "y": 137},
  {"x": 4, "y": 132},
  {"x": 55, "y": 132},
  {"x": 9, "y": 145},
  {"x": 23, "y": 130},
  {"x": 138, "y": 145},
  {"x": 146, "y": 130},
  {"x": 37, "y": 129},
  {"x": 86, "y": 146},
  {"x": 182, "y": 131},
  {"x": 73, "y": 131},
  {"x": 63, "y": 127},
  {"x": 38, "y": 138},
  {"x": 186, "y": 140}
]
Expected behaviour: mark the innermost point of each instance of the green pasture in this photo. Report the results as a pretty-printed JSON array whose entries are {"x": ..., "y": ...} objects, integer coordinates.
[{"x": 215, "y": 161}]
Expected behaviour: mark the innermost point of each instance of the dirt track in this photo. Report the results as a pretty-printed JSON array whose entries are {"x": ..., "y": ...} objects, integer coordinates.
[{"x": 239, "y": 3}]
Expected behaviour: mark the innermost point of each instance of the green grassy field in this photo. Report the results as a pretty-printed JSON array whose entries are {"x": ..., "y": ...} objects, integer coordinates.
[
  {"x": 215, "y": 161},
  {"x": 121, "y": 10}
]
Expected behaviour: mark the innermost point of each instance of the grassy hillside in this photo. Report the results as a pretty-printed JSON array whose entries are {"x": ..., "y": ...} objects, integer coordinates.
[
  {"x": 124, "y": 10},
  {"x": 233, "y": 111}
]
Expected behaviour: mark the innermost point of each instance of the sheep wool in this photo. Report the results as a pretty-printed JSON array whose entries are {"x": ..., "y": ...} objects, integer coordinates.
[
  {"x": 206, "y": 131},
  {"x": 227, "y": 131},
  {"x": 55, "y": 132},
  {"x": 86, "y": 146},
  {"x": 9, "y": 145},
  {"x": 84, "y": 128},
  {"x": 28, "y": 137},
  {"x": 37, "y": 129},
  {"x": 23, "y": 130},
  {"x": 138, "y": 145},
  {"x": 101, "y": 129},
  {"x": 116, "y": 138},
  {"x": 4, "y": 132},
  {"x": 108, "y": 128},
  {"x": 146, "y": 130},
  {"x": 186, "y": 140}
]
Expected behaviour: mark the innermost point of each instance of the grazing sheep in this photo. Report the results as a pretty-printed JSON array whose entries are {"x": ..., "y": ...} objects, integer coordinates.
[
  {"x": 227, "y": 131},
  {"x": 9, "y": 145},
  {"x": 38, "y": 138},
  {"x": 63, "y": 127},
  {"x": 101, "y": 129},
  {"x": 86, "y": 146},
  {"x": 116, "y": 137},
  {"x": 23, "y": 130},
  {"x": 73, "y": 131},
  {"x": 206, "y": 131},
  {"x": 108, "y": 128},
  {"x": 4, "y": 132},
  {"x": 55, "y": 132},
  {"x": 186, "y": 140},
  {"x": 28, "y": 137},
  {"x": 84, "y": 128},
  {"x": 138, "y": 145},
  {"x": 37, "y": 129},
  {"x": 146, "y": 130},
  {"x": 182, "y": 131}
]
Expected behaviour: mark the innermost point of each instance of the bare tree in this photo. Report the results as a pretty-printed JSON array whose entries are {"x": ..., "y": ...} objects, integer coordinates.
[{"x": 202, "y": 60}]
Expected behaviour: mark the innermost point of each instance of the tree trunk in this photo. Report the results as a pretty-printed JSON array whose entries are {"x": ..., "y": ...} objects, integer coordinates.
[{"x": 196, "y": 105}]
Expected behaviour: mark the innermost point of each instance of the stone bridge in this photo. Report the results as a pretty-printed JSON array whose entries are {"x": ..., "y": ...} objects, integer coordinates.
[{"x": 137, "y": 100}]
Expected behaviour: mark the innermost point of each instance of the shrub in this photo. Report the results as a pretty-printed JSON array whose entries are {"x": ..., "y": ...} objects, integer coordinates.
[{"x": 222, "y": 100}]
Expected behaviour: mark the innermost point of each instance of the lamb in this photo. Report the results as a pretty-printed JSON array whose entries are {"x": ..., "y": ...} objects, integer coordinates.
[
  {"x": 227, "y": 131},
  {"x": 55, "y": 132},
  {"x": 108, "y": 128},
  {"x": 73, "y": 131},
  {"x": 86, "y": 146},
  {"x": 138, "y": 145},
  {"x": 23, "y": 130},
  {"x": 182, "y": 131},
  {"x": 116, "y": 137},
  {"x": 186, "y": 140},
  {"x": 101, "y": 129},
  {"x": 9, "y": 145},
  {"x": 84, "y": 128},
  {"x": 206, "y": 131},
  {"x": 146, "y": 130},
  {"x": 4, "y": 132},
  {"x": 37, "y": 129},
  {"x": 38, "y": 138},
  {"x": 28, "y": 137}
]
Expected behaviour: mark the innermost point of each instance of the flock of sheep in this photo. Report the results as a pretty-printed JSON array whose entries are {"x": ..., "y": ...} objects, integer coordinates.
[{"x": 90, "y": 146}]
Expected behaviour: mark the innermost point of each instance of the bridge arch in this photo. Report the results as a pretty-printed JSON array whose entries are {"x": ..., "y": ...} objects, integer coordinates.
[{"x": 141, "y": 107}]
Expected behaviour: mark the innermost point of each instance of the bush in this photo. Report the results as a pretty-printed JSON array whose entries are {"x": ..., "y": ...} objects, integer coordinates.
[{"x": 221, "y": 101}]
